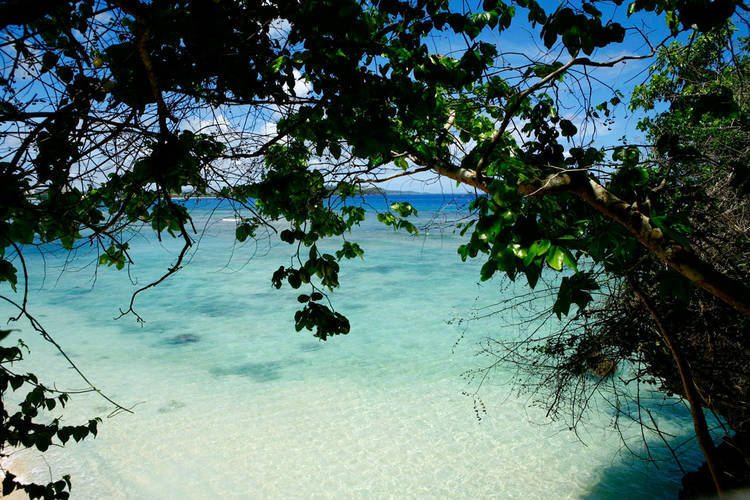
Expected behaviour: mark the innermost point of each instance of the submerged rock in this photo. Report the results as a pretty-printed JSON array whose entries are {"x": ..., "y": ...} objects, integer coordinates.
[
  {"x": 185, "y": 338},
  {"x": 603, "y": 367},
  {"x": 600, "y": 365},
  {"x": 171, "y": 406}
]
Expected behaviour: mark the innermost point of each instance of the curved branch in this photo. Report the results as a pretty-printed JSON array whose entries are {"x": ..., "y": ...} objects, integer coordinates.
[
  {"x": 36, "y": 325},
  {"x": 170, "y": 270},
  {"x": 458, "y": 174},
  {"x": 681, "y": 259}
]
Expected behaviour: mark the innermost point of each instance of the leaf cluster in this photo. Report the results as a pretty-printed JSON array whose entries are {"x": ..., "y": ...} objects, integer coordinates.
[{"x": 21, "y": 427}]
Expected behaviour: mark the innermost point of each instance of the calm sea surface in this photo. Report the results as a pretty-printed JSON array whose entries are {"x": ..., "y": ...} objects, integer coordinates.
[{"x": 230, "y": 401}]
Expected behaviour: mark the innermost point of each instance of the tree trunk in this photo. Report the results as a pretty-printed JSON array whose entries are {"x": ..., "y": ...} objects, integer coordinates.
[
  {"x": 688, "y": 385},
  {"x": 579, "y": 183},
  {"x": 679, "y": 258}
]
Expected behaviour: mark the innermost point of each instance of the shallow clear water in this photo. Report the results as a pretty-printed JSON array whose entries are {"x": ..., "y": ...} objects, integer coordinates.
[{"x": 230, "y": 401}]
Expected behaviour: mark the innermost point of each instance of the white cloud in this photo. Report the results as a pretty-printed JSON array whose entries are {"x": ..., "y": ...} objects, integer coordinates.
[
  {"x": 269, "y": 129},
  {"x": 302, "y": 87},
  {"x": 213, "y": 124}
]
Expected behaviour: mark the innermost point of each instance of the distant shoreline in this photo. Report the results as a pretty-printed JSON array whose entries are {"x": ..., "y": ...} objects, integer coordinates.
[{"x": 369, "y": 193}]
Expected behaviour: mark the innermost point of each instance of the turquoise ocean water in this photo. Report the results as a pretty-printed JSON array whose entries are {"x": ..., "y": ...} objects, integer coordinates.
[{"x": 230, "y": 401}]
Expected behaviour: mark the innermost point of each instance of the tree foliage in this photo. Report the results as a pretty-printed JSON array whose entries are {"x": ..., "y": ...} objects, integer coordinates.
[
  {"x": 691, "y": 183},
  {"x": 107, "y": 108}
]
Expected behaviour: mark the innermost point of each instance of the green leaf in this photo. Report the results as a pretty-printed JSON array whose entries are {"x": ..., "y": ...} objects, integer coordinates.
[
  {"x": 16, "y": 382},
  {"x": 506, "y": 261},
  {"x": 569, "y": 260},
  {"x": 335, "y": 149},
  {"x": 672, "y": 20},
  {"x": 93, "y": 423},
  {"x": 567, "y": 128},
  {"x": 294, "y": 280},
  {"x": 8, "y": 273},
  {"x": 277, "y": 63},
  {"x": 245, "y": 230},
  {"x": 5, "y": 333},
  {"x": 539, "y": 248},
  {"x": 49, "y": 60},
  {"x": 287, "y": 236},
  {"x": 404, "y": 209},
  {"x": 488, "y": 269},
  {"x": 555, "y": 258},
  {"x": 519, "y": 251},
  {"x": 409, "y": 227},
  {"x": 543, "y": 70},
  {"x": 65, "y": 73},
  {"x": 533, "y": 273},
  {"x": 574, "y": 290},
  {"x": 350, "y": 250},
  {"x": 590, "y": 9}
]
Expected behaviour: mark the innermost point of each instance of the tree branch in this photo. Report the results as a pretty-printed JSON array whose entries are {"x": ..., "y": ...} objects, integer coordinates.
[
  {"x": 681, "y": 259},
  {"x": 577, "y": 61}
]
